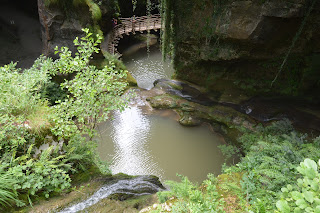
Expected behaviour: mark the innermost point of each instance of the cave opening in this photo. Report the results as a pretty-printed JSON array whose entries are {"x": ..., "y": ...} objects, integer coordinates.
[{"x": 20, "y": 32}]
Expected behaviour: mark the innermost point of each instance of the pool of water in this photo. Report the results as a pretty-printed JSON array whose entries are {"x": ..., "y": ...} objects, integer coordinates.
[
  {"x": 147, "y": 67},
  {"x": 137, "y": 143}
]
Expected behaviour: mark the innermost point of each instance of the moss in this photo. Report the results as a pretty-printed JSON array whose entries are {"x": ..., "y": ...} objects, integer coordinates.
[
  {"x": 224, "y": 119},
  {"x": 90, "y": 174},
  {"x": 175, "y": 86},
  {"x": 186, "y": 119},
  {"x": 165, "y": 101},
  {"x": 94, "y": 9},
  {"x": 131, "y": 80},
  {"x": 229, "y": 188}
]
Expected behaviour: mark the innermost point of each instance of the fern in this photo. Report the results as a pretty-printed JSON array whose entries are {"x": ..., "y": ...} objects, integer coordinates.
[{"x": 7, "y": 192}]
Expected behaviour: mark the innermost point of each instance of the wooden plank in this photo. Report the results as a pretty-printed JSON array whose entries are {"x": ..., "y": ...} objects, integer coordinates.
[{"x": 126, "y": 26}]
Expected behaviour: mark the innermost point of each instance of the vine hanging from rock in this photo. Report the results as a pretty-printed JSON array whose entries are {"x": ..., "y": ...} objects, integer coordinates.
[{"x": 134, "y": 5}]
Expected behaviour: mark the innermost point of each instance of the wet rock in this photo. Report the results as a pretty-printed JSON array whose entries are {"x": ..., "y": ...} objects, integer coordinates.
[
  {"x": 188, "y": 120},
  {"x": 145, "y": 186},
  {"x": 185, "y": 90},
  {"x": 60, "y": 28},
  {"x": 163, "y": 102},
  {"x": 120, "y": 187},
  {"x": 192, "y": 113}
]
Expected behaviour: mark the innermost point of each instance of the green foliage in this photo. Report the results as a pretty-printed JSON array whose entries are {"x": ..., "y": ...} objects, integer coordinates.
[
  {"x": 193, "y": 198},
  {"x": 272, "y": 154},
  {"x": 52, "y": 92},
  {"x": 46, "y": 174},
  {"x": 93, "y": 93},
  {"x": 229, "y": 151},
  {"x": 7, "y": 192},
  {"x": 304, "y": 196},
  {"x": 19, "y": 92},
  {"x": 163, "y": 196},
  {"x": 167, "y": 20},
  {"x": 272, "y": 158}
]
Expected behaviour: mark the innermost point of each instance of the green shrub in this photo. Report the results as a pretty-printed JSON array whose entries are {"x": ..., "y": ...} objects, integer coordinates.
[
  {"x": 46, "y": 174},
  {"x": 271, "y": 161},
  {"x": 19, "y": 92},
  {"x": 191, "y": 198},
  {"x": 304, "y": 196},
  {"x": 26, "y": 120},
  {"x": 93, "y": 92}
]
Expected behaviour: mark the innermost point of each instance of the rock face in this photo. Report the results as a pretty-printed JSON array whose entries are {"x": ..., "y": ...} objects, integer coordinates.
[
  {"x": 58, "y": 29},
  {"x": 63, "y": 21},
  {"x": 246, "y": 39}
]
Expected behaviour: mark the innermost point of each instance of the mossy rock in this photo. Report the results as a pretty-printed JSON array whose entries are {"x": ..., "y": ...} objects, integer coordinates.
[
  {"x": 230, "y": 117},
  {"x": 164, "y": 101},
  {"x": 131, "y": 80},
  {"x": 175, "y": 86},
  {"x": 132, "y": 205},
  {"x": 187, "y": 107},
  {"x": 186, "y": 119},
  {"x": 83, "y": 189},
  {"x": 89, "y": 174}
]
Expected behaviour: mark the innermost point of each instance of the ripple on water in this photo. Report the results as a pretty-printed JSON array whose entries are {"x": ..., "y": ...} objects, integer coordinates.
[{"x": 130, "y": 135}]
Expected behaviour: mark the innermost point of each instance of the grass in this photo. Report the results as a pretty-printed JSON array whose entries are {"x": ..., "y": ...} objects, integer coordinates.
[
  {"x": 39, "y": 120},
  {"x": 7, "y": 194}
]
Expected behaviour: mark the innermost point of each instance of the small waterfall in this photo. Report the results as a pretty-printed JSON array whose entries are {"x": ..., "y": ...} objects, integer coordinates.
[{"x": 141, "y": 185}]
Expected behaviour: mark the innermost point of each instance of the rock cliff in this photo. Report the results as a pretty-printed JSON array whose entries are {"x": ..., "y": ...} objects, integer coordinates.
[
  {"x": 247, "y": 41},
  {"x": 62, "y": 21}
]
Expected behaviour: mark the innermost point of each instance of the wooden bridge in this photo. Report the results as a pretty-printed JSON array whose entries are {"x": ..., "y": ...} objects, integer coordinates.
[{"x": 127, "y": 26}]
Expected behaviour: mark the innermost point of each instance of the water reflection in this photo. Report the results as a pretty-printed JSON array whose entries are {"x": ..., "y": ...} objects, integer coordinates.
[
  {"x": 130, "y": 134},
  {"x": 138, "y": 144}
]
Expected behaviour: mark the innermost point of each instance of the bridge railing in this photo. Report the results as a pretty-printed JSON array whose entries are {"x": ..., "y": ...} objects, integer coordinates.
[{"x": 131, "y": 25}]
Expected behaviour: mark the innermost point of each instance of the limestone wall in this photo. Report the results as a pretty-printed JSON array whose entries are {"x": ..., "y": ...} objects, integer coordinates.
[{"x": 245, "y": 39}]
